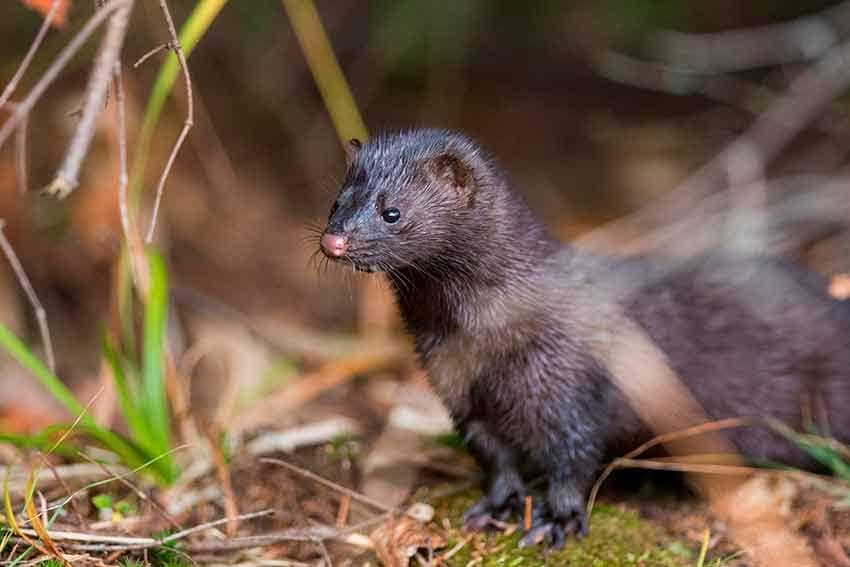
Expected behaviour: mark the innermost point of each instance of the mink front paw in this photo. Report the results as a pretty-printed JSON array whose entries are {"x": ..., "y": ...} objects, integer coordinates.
[
  {"x": 484, "y": 515},
  {"x": 553, "y": 531}
]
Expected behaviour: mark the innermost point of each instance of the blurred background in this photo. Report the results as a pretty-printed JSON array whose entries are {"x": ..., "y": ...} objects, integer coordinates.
[
  {"x": 591, "y": 106},
  {"x": 536, "y": 83}
]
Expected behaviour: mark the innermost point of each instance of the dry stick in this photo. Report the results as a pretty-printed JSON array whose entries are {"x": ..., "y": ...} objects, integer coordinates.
[
  {"x": 231, "y": 510},
  {"x": 771, "y": 132},
  {"x": 661, "y": 440},
  {"x": 187, "y": 124},
  {"x": 36, "y": 43},
  {"x": 330, "y": 484},
  {"x": 121, "y": 128},
  {"x": 26, "y": 105},
  {"x": 21, "y": 155},
  {"x": 725, "y": 89},
  {"x": 40, "y": 313},
  {"x": 20, "y": 149},
  {"x": 314, "y": 534},
  {"x": 793, "y": 41},
  {"x": 342, "y": 512},
  {"x": 66, "y": 179},
  {"x": 100, "y": 542},
  {"x": 64, "y": 485},
  {"x": 137, "y": 259},
  {"x": 325, "y": 555},
  {"x": 151, "y": 53},
  {"x": 140, "y": 494},
  {"x": 101, "y": 482},
  {"x": 704, "y": 468}
]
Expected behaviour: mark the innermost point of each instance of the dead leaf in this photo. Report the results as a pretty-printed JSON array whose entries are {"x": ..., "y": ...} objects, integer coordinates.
[
  {"x": 758, "y": 514},
  {"x": 43, "y": 7},
  {"x": 397, "y": 540},
  {"x": 817, "y": 526}
]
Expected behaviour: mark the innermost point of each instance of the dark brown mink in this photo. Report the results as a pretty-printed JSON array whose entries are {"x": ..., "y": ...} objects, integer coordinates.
[{"x": 507, "y": 321}]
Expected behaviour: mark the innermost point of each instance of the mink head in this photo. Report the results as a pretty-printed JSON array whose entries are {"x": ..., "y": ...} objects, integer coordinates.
[{"x": 409, "y": 199}]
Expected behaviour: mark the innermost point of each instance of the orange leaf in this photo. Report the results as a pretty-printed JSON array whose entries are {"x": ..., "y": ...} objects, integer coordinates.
[{"x": 43, "y": 7}]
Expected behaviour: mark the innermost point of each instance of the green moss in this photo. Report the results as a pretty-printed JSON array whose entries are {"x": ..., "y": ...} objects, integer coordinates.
[{"x": 618, "y": 538}]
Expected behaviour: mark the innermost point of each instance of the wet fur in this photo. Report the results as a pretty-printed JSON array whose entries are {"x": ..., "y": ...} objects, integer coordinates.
[{"x": 506, "y": 321}]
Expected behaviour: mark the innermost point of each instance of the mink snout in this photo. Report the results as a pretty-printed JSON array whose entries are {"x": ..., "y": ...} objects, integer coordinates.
[{"x": 334, "y": 245}]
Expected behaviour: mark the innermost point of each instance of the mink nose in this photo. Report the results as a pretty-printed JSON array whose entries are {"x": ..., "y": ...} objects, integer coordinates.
[{"x": 334, "y": 244}]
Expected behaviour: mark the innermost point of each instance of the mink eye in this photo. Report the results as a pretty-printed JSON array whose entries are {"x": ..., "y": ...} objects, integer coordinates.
[
  {"x": 391, "y": 215},
  {"x": 334, "y": 207}
]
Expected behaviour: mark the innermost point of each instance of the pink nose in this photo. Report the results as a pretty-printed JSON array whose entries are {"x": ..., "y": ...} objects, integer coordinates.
[{"x": 334, "y": 245}]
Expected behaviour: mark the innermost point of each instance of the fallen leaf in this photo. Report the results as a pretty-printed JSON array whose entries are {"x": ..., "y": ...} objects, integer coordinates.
[{"x": 397, "y": 540}]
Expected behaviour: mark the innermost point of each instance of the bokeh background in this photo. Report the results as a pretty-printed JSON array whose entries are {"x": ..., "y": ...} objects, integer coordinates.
[
  {"x": 264, "y": 161},
  {"x": 253, "y": 312}
]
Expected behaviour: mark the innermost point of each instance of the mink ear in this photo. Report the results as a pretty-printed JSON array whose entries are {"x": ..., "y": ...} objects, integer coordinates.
[
  {"x": 352, "y": 148},
  {"x": 450, "y": 169}
]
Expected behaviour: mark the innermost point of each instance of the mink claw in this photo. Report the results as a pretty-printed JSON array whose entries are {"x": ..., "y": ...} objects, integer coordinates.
[
  {"x": 553, "y": 533},
  {"x": 483, "y": 515},
  {"x": 537, "y": 534}
]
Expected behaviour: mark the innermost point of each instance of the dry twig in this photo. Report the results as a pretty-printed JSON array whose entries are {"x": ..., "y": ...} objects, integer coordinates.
[
  {"x": 40, "y": 314},
  {"x": 140, "y": 494},
  {"x": 47, "y": 79},
  {"x": 663, "y": 439},
  {"x": 330, "y": 484},
  {"x": 742, "y": 162},
  {"x": 25, "y": 63},
  {"x": 187, "y": 124},
  {"x": 152, "y": 52},
  {"x": 66, "y": 179},
  {"x": 801, "y": 39}
]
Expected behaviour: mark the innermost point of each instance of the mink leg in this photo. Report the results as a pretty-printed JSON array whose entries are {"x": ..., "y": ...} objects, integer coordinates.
[
  {"x": 570, "y": 474},
  {"x": 505, "y": 491},
  {"x": 562, "y": 515}
]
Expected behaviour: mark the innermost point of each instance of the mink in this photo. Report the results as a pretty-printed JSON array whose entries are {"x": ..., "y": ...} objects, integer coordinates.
[{"x": 505, "y": 320}]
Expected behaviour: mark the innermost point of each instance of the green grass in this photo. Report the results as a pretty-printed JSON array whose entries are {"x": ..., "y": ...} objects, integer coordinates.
[
  {"x": 617, "y": 538},
  {"x": 140, "y": 388},
  {"x": 139, "y": 379},
  {"x": 822, "y": 448}
]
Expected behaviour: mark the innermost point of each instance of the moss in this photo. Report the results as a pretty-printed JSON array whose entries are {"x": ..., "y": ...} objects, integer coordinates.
[{"x": 618, "y": 538}]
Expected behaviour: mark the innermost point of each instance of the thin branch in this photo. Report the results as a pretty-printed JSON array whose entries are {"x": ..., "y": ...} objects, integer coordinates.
[
  {"x": 137, "y": 260},
  {"x": 187, "y": 124},
  {"x": 100, "y": 542},
  {"x": 313, "y": 534},
  {"x": 140, "y": 494},
  {"x": 330, "y": 484},
  {"x": 802, "y": 39},
  {"x": 665, "y": 438},
  {"x": 742, "y": 161},
  {"x": 21, "y": 169},
  {"x": 66, "y": 179},
  {"x": 121, "y": 127},
  {"x": 231, "y": 510},
  {"x": 21, "y": 156},
  {"x": 152, "y": 52},
  {"x": 124, "y": 474},
  {"x": 720, "y": 87},
  {"x": 40, "y": 313},
  {"x": 26, "y": 105},
  {"x": 22, "y": 68}
]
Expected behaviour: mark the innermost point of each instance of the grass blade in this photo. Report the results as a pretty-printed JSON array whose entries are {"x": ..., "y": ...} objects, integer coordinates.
[
  {"x": 20, "y": 352},
  {"x": 192, "y": 31},
  {"x": 153, "y": 356},
  {"x": 126, "y": 391},
  {"x": 326, "y": 71}
]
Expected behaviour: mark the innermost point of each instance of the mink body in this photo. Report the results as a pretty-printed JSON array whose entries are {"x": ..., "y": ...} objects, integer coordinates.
[{"x": 507, "y": 322}]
